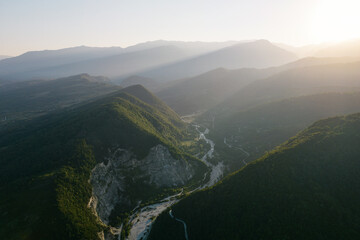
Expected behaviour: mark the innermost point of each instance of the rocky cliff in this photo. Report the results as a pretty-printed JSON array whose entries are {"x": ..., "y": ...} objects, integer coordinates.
[{"x": 111, "y": 179}]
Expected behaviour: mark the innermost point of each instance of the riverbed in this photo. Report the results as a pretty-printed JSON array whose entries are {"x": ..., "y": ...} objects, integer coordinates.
[{"x": 142, "y": 219}]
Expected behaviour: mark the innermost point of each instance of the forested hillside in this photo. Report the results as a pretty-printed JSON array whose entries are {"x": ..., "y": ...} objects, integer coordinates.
[
  {"x": 29, "y": 99},
  {"x": 47, "y": 165},
  {"x": 244, "y": 136},
  {"x": 307, "y": 188}
]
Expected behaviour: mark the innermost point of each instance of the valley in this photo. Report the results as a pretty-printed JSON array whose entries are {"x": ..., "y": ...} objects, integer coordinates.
[
  {"x": 142, "y": 219},
  {"x": 182, "y": 140},
  {"x": 301, "y": 168}
]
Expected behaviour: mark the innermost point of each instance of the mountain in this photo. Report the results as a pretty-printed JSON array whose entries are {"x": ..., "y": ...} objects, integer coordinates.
[
  {"x": 313, "y": 61},
  {"x": 342, "y": 77},
  {"x": 196, "y": 48},
  {"x": 26, "y": 100},
  {"x": 73, "y": 174},
  {"x": 34, "y": 60},
  {"x": 144, "y": 95},
  {"x": 4, "y": 56},
  {"x": 342, "y": 49},
  {"x": 116, "y": 66},
  {"x": 307, "y": 188},
  {"x": 304, "y": 51},
  {"x": 259, "y": 129},
  {"x": 205, "y": 91},
  {"x": 108, "y": 61},
  {"x": 148, "y": 83},
  {"x": 257, "y": 54}
]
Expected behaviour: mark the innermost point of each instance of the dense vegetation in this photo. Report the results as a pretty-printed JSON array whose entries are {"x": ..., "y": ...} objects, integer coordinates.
[
  {"x": 307, "y": 188},
  {"x": 46, "y": 163},
  {"x": 146, "y": 96},
  {"x": 29, "y": 99},
  {"x": 51, "y": 205},
  {"x": 262, "y": 128}
]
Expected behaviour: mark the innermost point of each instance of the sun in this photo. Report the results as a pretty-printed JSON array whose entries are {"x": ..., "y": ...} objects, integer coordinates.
[{"x": 336, "y": 20}]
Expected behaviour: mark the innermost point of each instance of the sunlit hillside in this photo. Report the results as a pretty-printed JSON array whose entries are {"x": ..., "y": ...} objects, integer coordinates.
[{"x": 151, "y": 120}]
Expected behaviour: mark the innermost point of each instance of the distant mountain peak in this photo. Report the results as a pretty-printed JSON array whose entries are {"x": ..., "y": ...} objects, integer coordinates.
[
  {"x": 136, "y": 87},
  {"x": 85, "y": 76},
  {"x": 255, "y": 54},
  {"x": 265, "y": 41}
]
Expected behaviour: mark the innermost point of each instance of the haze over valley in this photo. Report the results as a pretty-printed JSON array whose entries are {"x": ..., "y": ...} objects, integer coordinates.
[{"x": 238, "y": 127}]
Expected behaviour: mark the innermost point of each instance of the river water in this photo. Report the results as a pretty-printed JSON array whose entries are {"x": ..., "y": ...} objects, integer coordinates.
[{"x": 142, "y": 219}]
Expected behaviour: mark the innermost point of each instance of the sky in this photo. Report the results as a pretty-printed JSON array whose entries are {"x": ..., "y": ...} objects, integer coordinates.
[{"x": 27, "y": 25}]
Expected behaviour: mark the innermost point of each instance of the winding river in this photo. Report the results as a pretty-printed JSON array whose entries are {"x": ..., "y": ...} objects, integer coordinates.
[
  {"x": 216, "y": 170},
  {"x": 143, "y": 218},
  {"x": 183, "y": 222}
]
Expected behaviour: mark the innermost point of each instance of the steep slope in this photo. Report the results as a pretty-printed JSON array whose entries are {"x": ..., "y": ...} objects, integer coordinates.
[
  {"x": 261, "y": 128},
  {"x": 296, "y": 82},
  {"x": 144, "y": 95},
  {"x": 207, "y": 90},
  {"x": 103, "y": 158},
  {"x": 258, "y": 54},
  {"x": 308, "y": 188},
  {"x": 25, "y": 100}
]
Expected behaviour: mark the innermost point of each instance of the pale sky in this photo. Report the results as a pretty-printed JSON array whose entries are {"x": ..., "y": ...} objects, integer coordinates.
[{"x": 52, "y": 24}]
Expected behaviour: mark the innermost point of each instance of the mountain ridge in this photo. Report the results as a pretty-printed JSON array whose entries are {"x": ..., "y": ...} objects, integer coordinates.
[
  {"x": 304, "y": 189},
  {"x": 296, "y": 82},
  {"x": 205, "y": 91},
  {"x": 53, "y": 157},
  {"x": 249, "y": 54}
]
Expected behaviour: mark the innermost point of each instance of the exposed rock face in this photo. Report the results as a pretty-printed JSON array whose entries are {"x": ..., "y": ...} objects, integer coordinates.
[
  {"x": 158, "y": 169},
  {"x": 164, "y": 170},
  {"x": 107, "y": 188}
]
